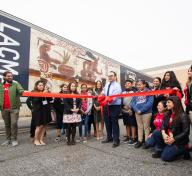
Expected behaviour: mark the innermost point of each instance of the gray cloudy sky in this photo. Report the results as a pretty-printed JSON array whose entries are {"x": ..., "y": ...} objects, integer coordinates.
[{"x": 139, "y": 33}]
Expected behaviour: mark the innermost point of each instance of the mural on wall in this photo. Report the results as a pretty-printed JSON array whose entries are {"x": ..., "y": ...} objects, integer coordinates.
[{"x": 58, "y": 61}]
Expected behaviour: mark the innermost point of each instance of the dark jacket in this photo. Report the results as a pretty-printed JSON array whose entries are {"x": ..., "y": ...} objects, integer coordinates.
[
  {"x": 168, "y": 84},
  {"x": 189, "y": 99},
  {"x": 179, "y": 129},
  {"x": 35, "y": 103},
  {"x": 59, "y": 105},
  {"x": 68, "y": 104},
  {"x": 157, "y": 99}
]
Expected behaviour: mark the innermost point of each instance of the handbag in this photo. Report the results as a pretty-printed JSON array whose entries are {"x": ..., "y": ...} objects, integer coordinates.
[{"x": 71, "y": 118}]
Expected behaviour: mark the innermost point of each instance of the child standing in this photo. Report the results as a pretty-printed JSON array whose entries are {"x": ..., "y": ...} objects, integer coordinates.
[{"x": 142, "y": 105}]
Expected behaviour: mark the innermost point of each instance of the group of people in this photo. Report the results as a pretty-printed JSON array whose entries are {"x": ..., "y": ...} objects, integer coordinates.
[{"x": 159, "y": 122}]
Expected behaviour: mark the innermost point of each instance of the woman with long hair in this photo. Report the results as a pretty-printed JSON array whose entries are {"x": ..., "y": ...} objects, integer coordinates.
[
  {"x": 41, "y": 112},
  {"x": 91, "y": 118},
  {"x": 72, "y": 111},
  {"x": 172, "y": 139},
  {"x": 156, "y": 86},
  {"x": 98, "y": 118},
  {"x": 170, "y": 81},
  {"x": 59, "y": 107},
  {"x": 188, "y": 94}
]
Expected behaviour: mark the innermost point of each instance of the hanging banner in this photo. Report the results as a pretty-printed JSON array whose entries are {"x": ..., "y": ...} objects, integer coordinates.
[{"x": 14, "y": 49}]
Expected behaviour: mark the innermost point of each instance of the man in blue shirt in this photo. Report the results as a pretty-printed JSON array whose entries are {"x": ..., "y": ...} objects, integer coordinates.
[{"x": 112, "y": 110}]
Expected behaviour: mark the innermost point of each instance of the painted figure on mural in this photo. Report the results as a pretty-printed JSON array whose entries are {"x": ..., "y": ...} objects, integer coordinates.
[
  {"x": 90, "y": 67},
  {"x": 46, "y": 61},
  {"x": 44, "y": 55}
]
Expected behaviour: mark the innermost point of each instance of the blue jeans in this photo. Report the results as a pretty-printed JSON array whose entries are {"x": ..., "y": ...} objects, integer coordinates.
[
  {"x": 84, "y": 121},
  {"x": 150, "y": 142},
  {"x": 64, "y": 127},
  {"x": 168, "y": 152}
]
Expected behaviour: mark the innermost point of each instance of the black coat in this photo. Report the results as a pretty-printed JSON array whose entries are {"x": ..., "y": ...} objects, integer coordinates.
[
  {"x": 40, "y": 113},
  {"x": 189, "y": 97},
  {"x": 171, "y": 85},
  {"x": 157, "y": 99},
  {"x": 35, "y": 103},
  {"x": 59, "y": 105},
  {"x": 68, "y": 104},
  {"x": 179, "y": 129}
]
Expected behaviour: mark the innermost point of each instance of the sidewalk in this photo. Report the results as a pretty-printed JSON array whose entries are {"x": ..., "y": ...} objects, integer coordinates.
[{"x": 84, "y": 159}]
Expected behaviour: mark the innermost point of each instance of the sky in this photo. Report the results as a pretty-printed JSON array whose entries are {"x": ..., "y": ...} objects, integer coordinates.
[{"x": 139, "y": 33}]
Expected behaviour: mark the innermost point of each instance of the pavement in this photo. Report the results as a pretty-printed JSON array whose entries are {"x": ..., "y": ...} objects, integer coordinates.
[{"x": 90, "y": 159}]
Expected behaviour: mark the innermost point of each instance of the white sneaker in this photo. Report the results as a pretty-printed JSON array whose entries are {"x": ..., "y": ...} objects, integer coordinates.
[
  {"x": 7, "y": 142},
  {"x": 15, "y": 143}
]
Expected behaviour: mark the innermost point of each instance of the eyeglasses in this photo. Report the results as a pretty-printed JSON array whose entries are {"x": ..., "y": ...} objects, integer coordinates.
[{"x": 110, "y": 75}]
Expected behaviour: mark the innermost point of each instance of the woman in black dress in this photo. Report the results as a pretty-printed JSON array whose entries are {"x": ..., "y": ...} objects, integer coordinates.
[
  {"x": 41, "y": 112},
  {"x": 71, "y": 111}
]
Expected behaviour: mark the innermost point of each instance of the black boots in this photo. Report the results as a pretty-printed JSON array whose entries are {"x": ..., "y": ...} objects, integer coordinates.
[{"x": 69, "y": 134}]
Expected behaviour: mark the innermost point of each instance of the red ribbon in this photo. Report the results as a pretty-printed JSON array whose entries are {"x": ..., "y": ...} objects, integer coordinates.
[
  {"x": 148, "y": 93},
  {"x": 54, "y": 95},
  {"x": 103, "y": 100}
]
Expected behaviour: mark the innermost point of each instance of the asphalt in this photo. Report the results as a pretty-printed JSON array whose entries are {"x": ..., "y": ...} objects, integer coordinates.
[{"x": 91, "y": 159}]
